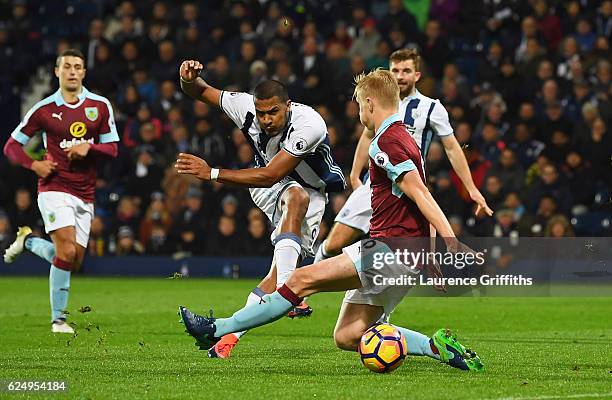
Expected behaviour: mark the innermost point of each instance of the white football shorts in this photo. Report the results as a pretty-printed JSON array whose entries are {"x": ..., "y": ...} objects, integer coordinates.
[
  {"x": 382, "y": 283},
  {"x": 357, "y": 210},
  {"x": 60, "y": 209},
  {"x": 269, "y": 201}
]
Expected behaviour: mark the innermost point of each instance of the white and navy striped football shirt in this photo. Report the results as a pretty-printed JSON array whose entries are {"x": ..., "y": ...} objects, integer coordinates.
[{"x": 305, "y": 136}]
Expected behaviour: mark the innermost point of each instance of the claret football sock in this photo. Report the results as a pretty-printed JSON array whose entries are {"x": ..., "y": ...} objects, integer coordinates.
[
  {"x": 272, "y": 307},
  {"x": 287, "y": 248},
  {"x": 418, "y": 344},
  {"x": 41, "y": 247}
]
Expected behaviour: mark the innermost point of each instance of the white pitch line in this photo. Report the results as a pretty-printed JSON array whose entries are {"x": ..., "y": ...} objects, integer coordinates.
[{"x": 569, "y": 396}]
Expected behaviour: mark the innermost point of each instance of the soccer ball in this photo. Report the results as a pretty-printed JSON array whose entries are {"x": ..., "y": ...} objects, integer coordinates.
[{"x": 382, "y": 348}]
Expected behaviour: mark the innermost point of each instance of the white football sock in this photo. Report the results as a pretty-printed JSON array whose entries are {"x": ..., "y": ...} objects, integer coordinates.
[
  {"x": 287, "y": 248},
  {"x": 321, "y": 253}
]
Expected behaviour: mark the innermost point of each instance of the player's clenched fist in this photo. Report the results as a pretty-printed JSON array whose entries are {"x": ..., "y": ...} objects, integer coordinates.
[
  {"x": 188, "y": 164},
  {"x": 43, "y": 168},
  {"x": 78, "y": 152},
  {"x": 190, "y": 69}
]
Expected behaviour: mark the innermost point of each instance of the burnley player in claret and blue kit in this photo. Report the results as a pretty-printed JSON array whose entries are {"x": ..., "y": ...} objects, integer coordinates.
[
  {"x": 78, "y": 129},
  {"x": 402, "y": 208}
]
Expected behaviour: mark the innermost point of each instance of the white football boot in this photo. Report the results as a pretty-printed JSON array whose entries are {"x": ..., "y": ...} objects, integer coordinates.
[
  {"x": 16, "y": 248},
  {"x": 60, "y": 326}
]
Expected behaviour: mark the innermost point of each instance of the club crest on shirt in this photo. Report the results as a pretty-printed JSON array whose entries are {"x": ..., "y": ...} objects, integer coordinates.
[
  {"x": 381, "y": 159},
  {"x": 415, "y": 113},
  {"x": 91, "y": 113}
]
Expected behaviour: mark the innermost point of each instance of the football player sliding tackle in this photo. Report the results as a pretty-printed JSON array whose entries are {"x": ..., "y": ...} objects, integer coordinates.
[
  {"x": 294, "y": 172},
  {"x": 402, "y": 207}
]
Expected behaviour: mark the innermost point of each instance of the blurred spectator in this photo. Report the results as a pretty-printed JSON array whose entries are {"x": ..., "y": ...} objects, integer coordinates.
[
  {"x": 116, "y": 23},
  {"x": 508, "y": 170},
  {"x": 157, "y": 215},
  {"x": 23, "y": 212},
  {"x": 131, "y": 59},
  {"x": 493, "y": 192},
  {"x": 97, "y": 246},
  {"x": 242, "y": 74},
  {"x": 434, "y": 48},
  {"x": 397, "y": 15},
  {"x": 559, "y": 226},
  {"x": 167, "y": 64},
  {"x": 603, "y": 20},
  {"x": 547, "y": 208},
  {"x": 312, "y": 66},
  {"x": 101, "y": 77},
  {"x": 381, "y": 58},
  {"x": 190, "y": 228},
  {"x": 598, "y": 146},
  {"x": 446, "y": 196},
  {"x": 585, "y": 35},
  {"x": 225, "y": 240},
  {"x": 525, "y": 148},
  {"x": 127, "y": 245},
  {"x": 550, "y": 185},
  {"x": 513, "y": 203},
  {"x": 258, "y": 239},
  {"x": 169, "y": 96},
  {"x": 579, "y": 177},
  {"x": 127, "y": 214},
  {"x": 366, "y": 43},
  {"x": 158, "y": 242},
  {"x": 207, "y": 142},
  {"x": 505, "y": 225},
  {"x": 6, "y": 234}
]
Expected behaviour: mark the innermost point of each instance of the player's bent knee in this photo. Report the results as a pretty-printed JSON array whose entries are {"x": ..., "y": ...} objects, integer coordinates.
[
  {"x": 67, "y": 251},
  {"x": 297, "y": 199},
  {"x": 345, "y": 340}
]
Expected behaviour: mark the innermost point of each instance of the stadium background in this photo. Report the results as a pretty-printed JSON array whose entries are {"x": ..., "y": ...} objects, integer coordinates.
[{"x": 527, "y": 85}]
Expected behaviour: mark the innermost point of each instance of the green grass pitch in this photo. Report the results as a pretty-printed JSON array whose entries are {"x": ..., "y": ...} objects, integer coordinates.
[{"x": 130, "y": 345}]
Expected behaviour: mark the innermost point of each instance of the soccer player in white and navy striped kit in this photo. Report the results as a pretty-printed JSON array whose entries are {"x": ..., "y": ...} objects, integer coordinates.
[
  {"x": 424, "y": 117},
  {"x": 293, "y": 174}
]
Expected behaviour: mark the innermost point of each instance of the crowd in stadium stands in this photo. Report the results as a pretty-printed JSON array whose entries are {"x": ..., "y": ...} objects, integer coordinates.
[{"x": 527, "y": 85}]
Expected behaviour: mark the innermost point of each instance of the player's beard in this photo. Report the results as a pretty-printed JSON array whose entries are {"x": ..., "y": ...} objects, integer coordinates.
[{"x": 406, "y": 89}]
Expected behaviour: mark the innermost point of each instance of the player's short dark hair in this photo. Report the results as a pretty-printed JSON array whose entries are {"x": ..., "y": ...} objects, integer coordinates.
[
  {"x": 407, "y": 54},
  {"x": 70, "y": 53},
  {"x": 270, "y": 88}
]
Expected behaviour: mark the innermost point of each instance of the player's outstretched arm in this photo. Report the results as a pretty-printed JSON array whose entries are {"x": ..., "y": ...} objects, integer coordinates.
[
  {"x": 196, "y": 87},
  {"x": 411, "y": 184},
  {"x": 361, "y": 158},
  {"x": 280, "y": 166},
  {"x": 460, "y": 165}
]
